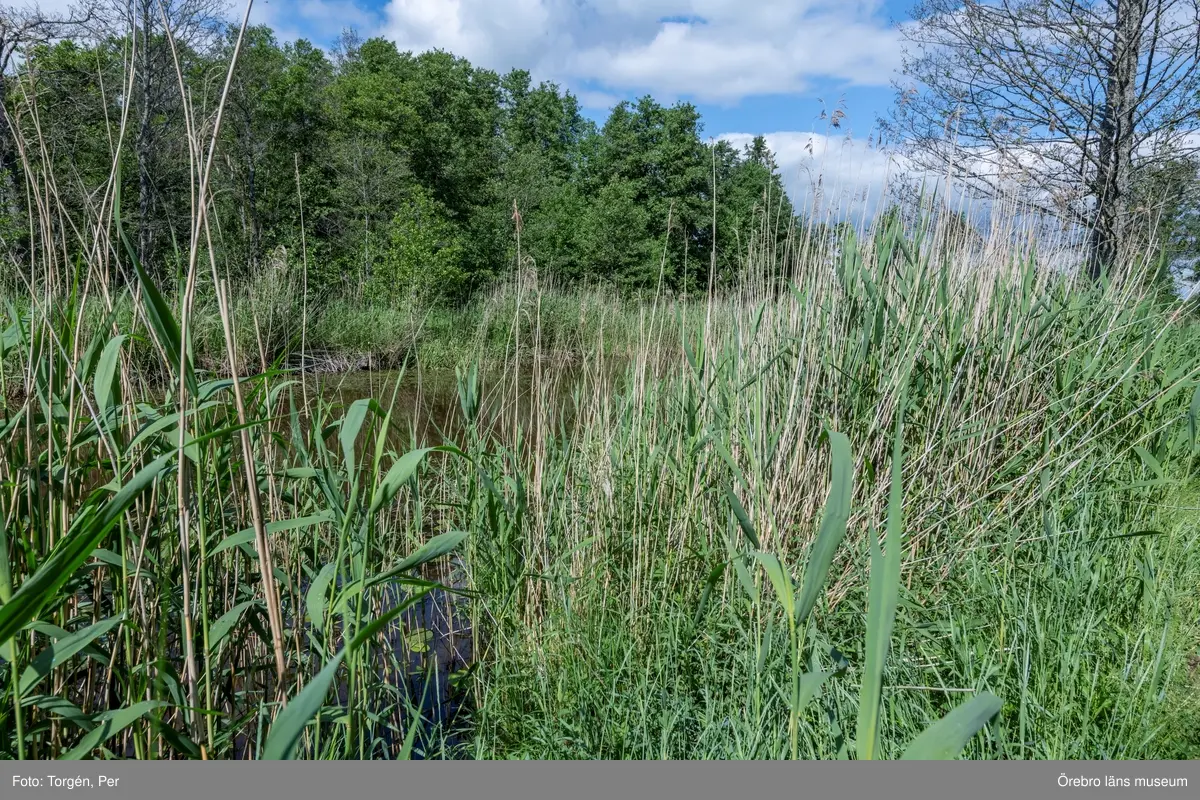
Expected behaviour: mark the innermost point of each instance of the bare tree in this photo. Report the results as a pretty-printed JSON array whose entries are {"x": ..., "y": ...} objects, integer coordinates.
[
  {"x": 22, "y": 27},
  {"x": 1069, "y": 101},
  {"x": 162, "y": 33},
  {"x": 193, "y": 24}
]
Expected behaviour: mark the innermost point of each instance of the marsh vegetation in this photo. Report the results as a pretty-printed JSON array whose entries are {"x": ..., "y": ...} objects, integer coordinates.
[{"x": 879, "y": 491}]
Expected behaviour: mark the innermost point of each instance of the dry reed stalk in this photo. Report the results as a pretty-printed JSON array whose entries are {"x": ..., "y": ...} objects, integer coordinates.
[
  {"x": 304, "y": 289},
  {"x": 261, "y": 542},
  {"x": 199, "y": 223}
]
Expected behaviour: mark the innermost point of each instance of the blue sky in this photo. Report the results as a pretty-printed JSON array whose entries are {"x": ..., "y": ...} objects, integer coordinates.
[{"x": 750, "y": 66}]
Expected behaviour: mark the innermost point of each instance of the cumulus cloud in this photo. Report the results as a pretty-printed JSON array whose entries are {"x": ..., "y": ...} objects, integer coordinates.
[
  {"x": 838, "y": 176},
  {"x": 717, "y": 51},
  {"x": 319, "y": 20},
  {"x": 710, "y": 50},
  {"x": 707, "y": 50}
]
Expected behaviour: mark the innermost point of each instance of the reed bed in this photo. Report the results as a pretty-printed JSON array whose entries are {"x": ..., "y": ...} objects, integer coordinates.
[
  {"x": 918, "y": 481},
  {"x": 1022, "y": 441},
  {"x": 901, "y": 493}
]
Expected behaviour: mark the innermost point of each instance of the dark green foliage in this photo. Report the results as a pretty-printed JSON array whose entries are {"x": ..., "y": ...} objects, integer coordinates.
[{"x": 372, "y": 139}]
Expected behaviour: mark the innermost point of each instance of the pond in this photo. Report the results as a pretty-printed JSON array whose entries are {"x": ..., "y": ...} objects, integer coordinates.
[
  {"x": 427, "y": 409},
  {"x": 434, "y": 640}
]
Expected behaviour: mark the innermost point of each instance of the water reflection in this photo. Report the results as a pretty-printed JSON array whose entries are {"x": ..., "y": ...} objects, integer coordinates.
[{"x": 426, "y": 406}]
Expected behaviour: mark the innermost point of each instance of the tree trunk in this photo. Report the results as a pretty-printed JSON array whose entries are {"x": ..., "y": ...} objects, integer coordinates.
[
  {"x": 1113, "y": 184},
  {"x": 8, "y": 155}
]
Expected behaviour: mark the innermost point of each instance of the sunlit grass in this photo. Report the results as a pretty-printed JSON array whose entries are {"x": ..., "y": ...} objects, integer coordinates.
[{"x": 887, "y": 480}]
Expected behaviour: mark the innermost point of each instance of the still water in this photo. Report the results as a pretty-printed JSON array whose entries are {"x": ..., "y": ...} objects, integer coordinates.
[
  {"x": 434, "y": 641},
  {"x": 427, "y": 408}
]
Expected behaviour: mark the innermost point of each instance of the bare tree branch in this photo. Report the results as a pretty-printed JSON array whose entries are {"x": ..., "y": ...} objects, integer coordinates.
[{"x": 1068, "y": 102}]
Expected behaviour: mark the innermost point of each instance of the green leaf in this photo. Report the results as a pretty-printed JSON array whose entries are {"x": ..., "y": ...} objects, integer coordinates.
[
  {"x": 162, "y": 320},
  {"x": 743, "y": 519},
  {"x": 884, "y": 594},
  {"x": 108, "y": 725},
  {"x": 833, "y": 526},
  {"x": 10, "y": 337},
  {"x": 224, "y": 624},
  {"x": 106, "y": 370},
  {"x": 436, "y": 547},
  {"x": 290, "y": 724},
  {"x": 782, "y": 581},
  {"x": 246, "y": 535},
  {"x": 810, "y": 686},
  {"x": 1194, "y": 418},
  {"x": 399, "y": 474},
  {"x": 169, "y": 422},
  {"x": 7, "y": 650},
  {"x": 242, "y": 539},
  {"x": 87, "y": 530},
  {"x": 62, "y": 708},
  {"x": 379, "y": 623},
  {"x": 418, "y": 641},
  {"x": 314, "y": 601},
  {"x": 62, "y": 650},
  {"x": 208, "y": 389},
  {"x": 344, "y": 596},
  {"x": 120, "y": 562},
  {"x": 409, "y": 737},
  {"x": 351, "y": 425},
  {"x": 714, "y": 575},
  {"x": 743, "y": 576},
  {"x": 946, "y": 738},
  {"x": 1149, "y": 460}
]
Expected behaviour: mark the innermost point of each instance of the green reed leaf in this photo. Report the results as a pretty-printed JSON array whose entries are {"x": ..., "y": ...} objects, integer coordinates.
[
  {"x": 89, "y": 528},
  {"x": 833, "y": 526},
  {"x": 947, "y": 737}
]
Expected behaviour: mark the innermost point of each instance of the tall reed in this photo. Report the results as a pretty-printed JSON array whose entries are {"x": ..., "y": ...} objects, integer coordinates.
[{"x": 901, "y": 492}]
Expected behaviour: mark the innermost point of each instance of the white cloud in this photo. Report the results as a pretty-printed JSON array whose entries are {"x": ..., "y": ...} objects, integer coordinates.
[
  {"x": 601, "y": 101},
  {"x": 495, "y": 33},
  {"x": 318, "y": 20},
  {"x": 838, "y": 176},
  {"x": 712, "y": 50},
  {"x": 709, "y": 50}
]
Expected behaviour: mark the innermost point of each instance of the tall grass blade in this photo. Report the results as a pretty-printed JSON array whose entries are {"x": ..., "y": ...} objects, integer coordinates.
[
  {"x": 1194, "y": 418},
  {"x": 400, "y": 472},
  {"x": 314, "y": 600},
  {"x": 106, "y": 370},
  {"x": 782, "y": 581},
  {"x": 947, "y": 737},
  {"x": 435, "y": 548},
  {"x": 89, "y": 529},
  {"x": 743, "y": 519},
  {"x": 351, "y": 426},
  {"x": 246, "y": 536},
  {"x": 290, "y": 724},
  {"x": 109, "y": 725},
  {"x": 883, "y": 596},
  {"x": 225, "y": 624},
  {"x": 833, "y": 526},
  {"x": 60, "y": 651}
]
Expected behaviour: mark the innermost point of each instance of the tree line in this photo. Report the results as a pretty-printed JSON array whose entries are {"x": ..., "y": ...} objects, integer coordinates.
[
  {"x": 398, "y": 174},
  {"x": 402, "y": 174}
]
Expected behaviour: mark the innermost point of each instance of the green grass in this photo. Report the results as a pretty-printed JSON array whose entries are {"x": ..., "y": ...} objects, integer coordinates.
[
  {"x": 1049, "y": 535},
  {"x": 273, "y": 325},
  {"x": 908, "y": 494},
  {"x": 920, "y": 483}
]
